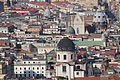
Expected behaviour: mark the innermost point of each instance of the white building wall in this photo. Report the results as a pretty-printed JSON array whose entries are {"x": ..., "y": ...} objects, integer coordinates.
[
  {"x": 98, "y": 65},
  {"x": 3, "y": 29},
  {"x": 68, "y": 56},
  {"x": 30, "y": 68},
  {"x": 79, "y": 73},
  {"x": 45, "y": 50},
  {"x": 82, "y": 66},
  {"x": 50, "y": 74},
  {"x": 72, "y": 72},
  {"x": 69, "y": 71}
]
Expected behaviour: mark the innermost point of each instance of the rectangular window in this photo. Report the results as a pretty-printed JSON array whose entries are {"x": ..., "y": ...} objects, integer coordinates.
[
  {"x": 78, "y": 67},
  {"x": 64, "y": 68},
  {"x": 29, "y": 75},
  {"x": 64, "y": 57},
  {"x": 50, "y": 73},
  {"x": 24, "y": 75},
  {"x": 77, "y": 73},
  {"x": 51, "y": 67},
  {"x": 20, "y": 75},
  {"x": 16, "y": 75}
]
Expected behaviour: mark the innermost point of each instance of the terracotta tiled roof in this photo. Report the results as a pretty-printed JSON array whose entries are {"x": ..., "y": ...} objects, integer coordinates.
[
  {"x": 33, "y": 38},
  {"x": 62, "y": 4},
  {"x": 26, "y": 10},
  {"x": 88, "y": 18},
  {"x": 88, "y": 78},
  {"x": 6, "y": 25},
  {"x": 3, "y": 35},
  {"x": 36, "y": 57},
  {"x": 99, "y": 78},
  {"x": 114, "y": 63},
  {"x": 2, "y": 43},
  {"x": 23, "y": 51},
  {"x": 4, "y": 59},
  {"x": 41, "y": 3},
  {"x": 30, "y": 79},
  {"x": 111, "y": 52}
]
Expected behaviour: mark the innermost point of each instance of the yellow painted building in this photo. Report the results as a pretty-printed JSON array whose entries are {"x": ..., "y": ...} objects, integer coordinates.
[{"x": 33, "y": 29}]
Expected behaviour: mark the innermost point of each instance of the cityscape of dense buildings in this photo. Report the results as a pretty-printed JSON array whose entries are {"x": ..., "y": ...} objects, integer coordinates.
[{"x": 59, "y": 39}]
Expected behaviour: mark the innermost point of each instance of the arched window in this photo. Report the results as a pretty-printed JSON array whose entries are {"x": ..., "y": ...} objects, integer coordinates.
[
  {"x": 71, "y": 56},
  {"x": 58, "y": 56},
  {"x": 64, "y": 56},
  {"x": 77, "y": 30}
]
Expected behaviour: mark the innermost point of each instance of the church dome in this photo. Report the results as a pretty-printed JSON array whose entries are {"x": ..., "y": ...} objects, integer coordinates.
[
  {"x": 66, "y": 44},
  {"x": 70, "y": 30}
]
